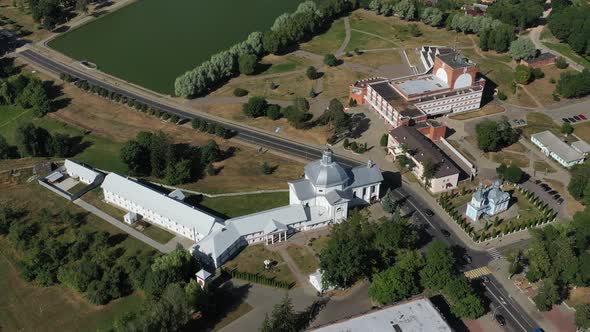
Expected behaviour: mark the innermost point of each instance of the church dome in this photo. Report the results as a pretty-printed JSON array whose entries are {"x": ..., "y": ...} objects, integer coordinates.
[{"x": 326, "y": 172}]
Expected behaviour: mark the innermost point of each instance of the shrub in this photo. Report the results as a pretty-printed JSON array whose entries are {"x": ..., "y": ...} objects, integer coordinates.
[
  {"x": 345, "y": 144},
  {"x": 273, "y": 112},
  {"x": 502, "y": 96},
  {"x": 255, "y": 107},
  {"x": 247, "y": 63},
  {"x": 383, "y": 140},
  {"x": 196, "y": 123},
  {"x": 561, "y": 63},
  {"x": 330, "y": 60},
  {"x": 239, "y": 92},
  {"x": 174, "y": 118},
  {"x": 312, "y": 73}
]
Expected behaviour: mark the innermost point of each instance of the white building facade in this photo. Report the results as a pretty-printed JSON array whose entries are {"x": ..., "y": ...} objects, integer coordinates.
[{"x": 557, "y": 149}]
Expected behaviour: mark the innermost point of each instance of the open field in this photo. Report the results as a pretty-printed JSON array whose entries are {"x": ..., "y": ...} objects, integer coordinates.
[
  {"x": 251, "y": 260},
  {"x": 31, "y": 308},
  {"x": 288, "y": 86},
  {"x": 337, "y": 80},
  {"x": 22, "y": 21},
  {"x": 395, "y": 31},
  {"x": 282, "y": 63},
  {"x": 190, "y": 33},
  {"x": 329, "y": 41},
  {"x": 365, "y": 41},
  {"x": 235, "y": 206},
  {"x": 582, "y": 130},
  {"x": 305, "y": 261},
  {"x": 376, "y": 59},
  {"x": 543, "y": 88},
  {"x": 544, "y": 167},
  {"x": 578, "y": 295},
  {"x": 537, "y": 122},
  {"x": 488, "y": 109}
]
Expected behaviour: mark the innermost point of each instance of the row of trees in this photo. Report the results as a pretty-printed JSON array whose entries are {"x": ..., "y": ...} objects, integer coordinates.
[
  {"x": 494, "y": 135},
  {"x": 574, "y": 84},
  {"x": 33, "y": 141},
  {"x": 26, "y": 92},
  {"x": 579, "y": 186},
  {"x": 520, "y": 13},
  {"x": 288, "y": 29},
  {"x": 155, "y": 154},
  {"x": 570, "y": 23}
]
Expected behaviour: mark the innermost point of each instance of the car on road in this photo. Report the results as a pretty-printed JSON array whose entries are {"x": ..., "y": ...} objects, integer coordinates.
[
  {"x": 582, "y": 117},
  {"x": 429, "y": 212},
  {"x": 445, "y": 232},
  {"x": 565, "y": 120},
  {"x": 577, "y": 117},
  {"x": 501, "y": 320},
  {"x": 467, "y": 259},
  {"x": 485, "y": 279}
]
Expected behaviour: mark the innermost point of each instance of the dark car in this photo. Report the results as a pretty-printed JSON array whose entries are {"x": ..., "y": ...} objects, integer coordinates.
[
  {"x": 467, "y": 258},
  {"x": 565, "y": 120},
  {"x": 537, "y": 181},
  {"x": 429, "y": 212},
  {"x": 445, "y": 232},
  {"x": 501, "y": 320},
  {"x": 545, "y": 187},
  {"x": 559, "y": 201},
  {"x": 485, "y": 279},
  {"x": 582, "y": 117},
  {"x": 552, "y": 192},
  {"x": 572, "y": 120},
  {"x": 556, "y": 196},
  {"x": 577, "y": 118}
]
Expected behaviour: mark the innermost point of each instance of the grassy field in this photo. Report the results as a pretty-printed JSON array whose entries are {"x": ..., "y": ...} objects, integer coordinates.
[
  {"x": 153, "y": 55},
  {"x": 376, "y": 59},
  {"x": 235, "y": 206},
  {"x": 320, "y": 243},
  {"x": 364, "y": 41},
  {"x": 509, "y": 158},
  {"x": 98, "y": 151},
  {"x": 537, "y": 122},
  {"x": 329, "y": 41},
  {"x": 582, "y": 130},
  {"x": 251, "y": 260},
  {"x": 542, "y": 166},
  {"x": 543, "y": 88},
  {"x": 275, "y": 64},
  {"x": 566, "y": 50},
  {"x": 488, "y": 109},
  {"x": 26, "y": 307},
  {"x": 305, "y": 261}
]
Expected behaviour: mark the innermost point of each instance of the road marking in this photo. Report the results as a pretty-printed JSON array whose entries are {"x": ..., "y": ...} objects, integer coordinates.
[
  {"x": 416, "y": 208},
  {"x": 495, "y": 253},
  {"x": 524, "y": 316},
  {"x": 502, "y": 303},
  {"x": 476, "y": 273}
]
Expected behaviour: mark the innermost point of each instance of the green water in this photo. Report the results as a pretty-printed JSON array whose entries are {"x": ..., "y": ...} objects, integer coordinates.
[{"x": 151, "y": 42}]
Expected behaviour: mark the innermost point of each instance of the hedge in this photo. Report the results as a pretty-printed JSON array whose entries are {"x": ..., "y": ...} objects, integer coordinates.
[{"x": 258, "y": 279}]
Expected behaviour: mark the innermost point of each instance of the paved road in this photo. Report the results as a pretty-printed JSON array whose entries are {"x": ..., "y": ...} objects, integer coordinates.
[{"x": 413, "y": 200}]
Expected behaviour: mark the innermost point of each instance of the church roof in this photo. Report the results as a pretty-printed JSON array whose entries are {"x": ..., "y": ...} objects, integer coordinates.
[
  {"x": 326, "y": 172},
  {"x": 302, "y": 189}
]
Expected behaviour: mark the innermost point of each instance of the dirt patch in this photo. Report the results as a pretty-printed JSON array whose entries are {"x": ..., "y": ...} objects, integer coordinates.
[
  {"x": 543, "y": 88},
  {"x": 337, "y": 80},
  {"x": 572, "y": 205}
]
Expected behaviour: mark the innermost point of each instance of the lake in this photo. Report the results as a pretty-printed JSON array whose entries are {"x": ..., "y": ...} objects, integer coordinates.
[{"x": 151, "y": 42}]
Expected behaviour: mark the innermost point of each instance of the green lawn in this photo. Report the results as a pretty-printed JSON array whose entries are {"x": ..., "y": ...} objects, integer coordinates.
[
  {"x": 538, "y": 122},
  {"x": 328, "y": 42},
  {"x": 320, "y": 243},
  {"x": 566, "y": 50},
  {"x": 158, "y": 234},
  {"x": 364, "y": 41},
  {"x": 306, "y": 262},
  {"x": 251, "y": 260},
  {"x": 235, "y": 206},
  {"x": 151, "y": 42},
  {"x": 97, "y": 151},
  {"x": 283, "y": 64},
  {"x": 26, "y": 307}
]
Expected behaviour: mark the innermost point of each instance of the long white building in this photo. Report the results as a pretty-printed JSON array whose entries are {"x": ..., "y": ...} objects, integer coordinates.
[{"x": 158, "y": 208}]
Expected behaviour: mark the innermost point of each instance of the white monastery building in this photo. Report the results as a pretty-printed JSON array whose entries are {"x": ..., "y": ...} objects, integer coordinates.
[
  {"x": 84, "y": 174},
  {"x": 450, "y": 85}
]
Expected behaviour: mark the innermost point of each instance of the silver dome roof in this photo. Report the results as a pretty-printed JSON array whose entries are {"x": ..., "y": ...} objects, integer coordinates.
[{"x": 326, "y": 172}]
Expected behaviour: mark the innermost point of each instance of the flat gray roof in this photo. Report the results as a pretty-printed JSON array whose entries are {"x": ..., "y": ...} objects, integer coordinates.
[
  {"x": 581, "y": 146},
  {"x": 417, "y": 315},
  {"x": 420, "y": 85},
  {"x": 557, "y": 146}
]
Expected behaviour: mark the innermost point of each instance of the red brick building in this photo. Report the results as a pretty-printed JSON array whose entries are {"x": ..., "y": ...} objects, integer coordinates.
[{"x": 543, "y": 59}]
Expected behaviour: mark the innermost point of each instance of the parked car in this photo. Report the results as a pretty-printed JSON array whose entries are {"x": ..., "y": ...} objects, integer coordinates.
[
  {"x": 467, "y": 258},
  {"x": 429, "y": 212},
  {"x": 556, "y": 196},
  {"x": 582, "y": 117},
  {"x": 445, "y": 233},
  {"x": 572, "y": 120},
  {"x": 577, "y": 117},
  {"x": 537, "y": 181},
  {"x": 565, "y": 120},
  {"x": 501, "y": 320},
  {"x": 552, "y": 192},
  {"x": 559, "y": 201}
]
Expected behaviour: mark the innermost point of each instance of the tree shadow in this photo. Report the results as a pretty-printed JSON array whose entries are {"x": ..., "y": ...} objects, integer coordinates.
[
  {"x": 78, "y": 145},
  {"x": 455, "y": 322},
  {"x": 61, "y": 29},
  {"x": 261, "y": 68},
  {"x": 391, "y": 180},
  {"x": 359, "y": 123},
  {"x": 306, "y": 317},
  {"x": 224, "y": 300},
  {"x": 117, "y": 238},
  {"x": 60, "y": 103}
]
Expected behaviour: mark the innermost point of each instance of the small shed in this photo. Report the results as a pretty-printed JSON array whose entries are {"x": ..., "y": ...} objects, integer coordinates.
[
  {"x": 130, "y": 218},
  {"x": 582, "y": 147},
  {"x": 54, "y": 177},
  {"x": 540, "y": 60},
  {"x": 315, "y": 279},
  {"x": 202, "y": 277}
]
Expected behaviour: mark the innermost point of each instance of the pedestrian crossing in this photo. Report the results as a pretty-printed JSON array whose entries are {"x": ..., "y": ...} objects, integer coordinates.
[
  {"x": 477, "y": 273},
  {"x": 495, "y": 253}
]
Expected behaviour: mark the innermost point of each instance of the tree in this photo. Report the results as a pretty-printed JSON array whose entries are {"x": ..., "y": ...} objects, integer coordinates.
[
  {"x": 159, "y": 147},
  {"x": 283, "y": 318},
  {"x": 383, "y": 140},
  {"x": 573, "y": 84},
  {"x": 432, "y": 16},
  {"x": 439, "y": 267},
  {"x": 522, "y": 48},
  {"x": 266, "y": 168},
  {"x": 178, "y": 173},
  {"x": 389, "y": 202},
  {"x": 580, "y": 181},
  {"x": 567, "y": 128},
  {"x": 548, "y": 295},
  {"x": 492, "y": 135},
  {"x": 510, "y": 173},
  {"x": 523, "y": 75},
  {"x": 312, "y": 73},
  {"x": 211, "y": 152},
  {"x": 561, "y": 63},
  {"x": 255, "y": 107},
  {"x": 5, "y": 148},
  {"x": 196, "y": 296},
  {"x": 392, "y": 236},
  {"x": 301, "y": 104},
  {"x": 330, "y": 60},
  {"x": 428, "y": 171},
  {"x": 247, "y": 63},
  {"x": 136, "y": 157},
  {"x": 33, "y": 141},
  {"x": 345, "y": 258},
  {"x": 393, "y": 284},
  {"x": 239, "y": 92},
  {"x": 583, "y": 315},
  {"x": 273, "y": 112}
]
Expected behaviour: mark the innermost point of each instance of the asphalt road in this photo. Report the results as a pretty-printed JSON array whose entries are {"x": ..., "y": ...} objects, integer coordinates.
[{"x": 517, "y": 319}]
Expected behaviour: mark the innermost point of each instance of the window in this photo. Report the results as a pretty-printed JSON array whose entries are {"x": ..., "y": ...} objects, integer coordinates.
[
  {"x": 364, "y": 191},
  {"x": 372, "y": 189}
]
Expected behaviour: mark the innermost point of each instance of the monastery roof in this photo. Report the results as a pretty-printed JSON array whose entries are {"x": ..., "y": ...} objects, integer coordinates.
[
  {"x": 325, "y": 172},
  {"x": 160, "y": 203},
  {"x": 81, "y": 170},
  {"x": 364, "y": 175},
  {"x": 256, "y": 222},
  {"x": 423, "y": 149},
  {"x": 303, "y": 189},
  {"x": 217, "y": 242}
]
